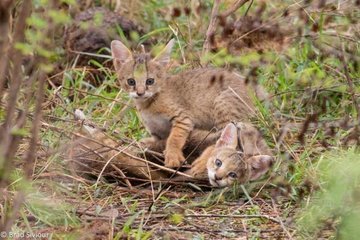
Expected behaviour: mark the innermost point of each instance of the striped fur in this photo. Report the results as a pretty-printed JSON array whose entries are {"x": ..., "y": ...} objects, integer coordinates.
[{"x": 181, "y": 108}]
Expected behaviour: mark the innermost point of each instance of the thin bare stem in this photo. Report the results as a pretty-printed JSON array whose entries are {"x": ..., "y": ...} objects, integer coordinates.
[
  {"x": 212, "y": 27},
  {"x": 350, "y": 85},
  {"x": 7, "y": 142},
  {"x": 233, "y": 8},
  {"x": 5, "y": 17}
]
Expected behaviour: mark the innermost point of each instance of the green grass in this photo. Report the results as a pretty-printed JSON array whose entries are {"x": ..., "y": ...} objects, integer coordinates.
[{"x": 339, "y": 199}]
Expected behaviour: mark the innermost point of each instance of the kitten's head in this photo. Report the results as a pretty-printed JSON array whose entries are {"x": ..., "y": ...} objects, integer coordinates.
[
  {"x": 228, "y": 165},
  {"x": 139, "y": 75}
]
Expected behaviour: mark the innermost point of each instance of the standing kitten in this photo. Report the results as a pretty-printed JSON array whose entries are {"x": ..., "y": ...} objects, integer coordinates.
[
  {"x": 172, "y": 106},
  {"x": 240, "y": 154}
]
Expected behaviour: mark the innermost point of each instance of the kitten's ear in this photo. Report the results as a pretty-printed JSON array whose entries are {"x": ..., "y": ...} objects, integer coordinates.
[
  {"x": 259, "y": 164},
  {"x": 120, "y": 54},
  {"x": 228, "y": 137},
  {"x": 164, "y": 56}
]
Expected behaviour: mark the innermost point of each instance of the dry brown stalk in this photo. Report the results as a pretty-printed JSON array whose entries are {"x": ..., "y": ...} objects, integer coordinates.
[
  {"x": 118, "y": 170},
  {"x": 350, "y": 83},
  {"x": 35, "y": 128},
  {"x": 214, "y": 19},
  {"x": 233, "y": 8},
  {"x": 212, "y": 27},
  {"x": 8, "y": 141},
  {"x": 15, "y": 55},
  {"x": 280, "y": 221},
  {"x": 5, "y": 18}
]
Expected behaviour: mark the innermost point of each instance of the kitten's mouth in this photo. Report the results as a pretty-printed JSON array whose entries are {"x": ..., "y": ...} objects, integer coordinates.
[
  {"x": 213, "y": 183},
  {"x": 141, "y": 97},
  {"x": 221, "y": 183}
]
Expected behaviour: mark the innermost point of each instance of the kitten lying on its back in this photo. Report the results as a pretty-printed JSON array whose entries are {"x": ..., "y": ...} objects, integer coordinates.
[
  {"x": 240, "y": 155},
  {"x": 173, "y": 106}
]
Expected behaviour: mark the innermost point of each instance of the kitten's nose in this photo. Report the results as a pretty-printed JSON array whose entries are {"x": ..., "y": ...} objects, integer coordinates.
[
  {"x": 217, "y": 177},
  {"x": 140, "y": 91}
]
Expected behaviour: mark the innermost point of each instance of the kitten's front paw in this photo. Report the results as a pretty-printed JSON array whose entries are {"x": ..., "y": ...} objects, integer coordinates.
[
  {"x": 198, "y": 168},
  {"x": 173, "y": 159}
]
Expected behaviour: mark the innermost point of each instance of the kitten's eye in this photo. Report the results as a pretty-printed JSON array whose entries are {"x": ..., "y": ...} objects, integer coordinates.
[
  {"x": 131, "y": 82},
  {"x": 150, "y": 81},
  {"x": 218, "y": 163},
  {"x": 232, "y": 175}
]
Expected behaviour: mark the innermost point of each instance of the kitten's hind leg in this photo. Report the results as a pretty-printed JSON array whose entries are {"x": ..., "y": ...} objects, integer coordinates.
[
  {"x": 203, "y": 138},
  {"x": 232, "y": 105},
  {"x": 93, "y": 152},
  {"x": 153, "y": 144}
]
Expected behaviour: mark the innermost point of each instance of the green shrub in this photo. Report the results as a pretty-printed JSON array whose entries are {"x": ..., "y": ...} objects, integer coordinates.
[{"x": 338, "y": 201}]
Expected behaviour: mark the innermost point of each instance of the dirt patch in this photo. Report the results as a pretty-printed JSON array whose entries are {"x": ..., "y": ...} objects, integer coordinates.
[
  {"x": 251, "y": 32},
  {"x": 93, "y": 30}
]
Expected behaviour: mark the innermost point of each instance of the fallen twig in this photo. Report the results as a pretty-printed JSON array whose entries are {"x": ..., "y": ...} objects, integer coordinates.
[{"x": 231, "y": 216}]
